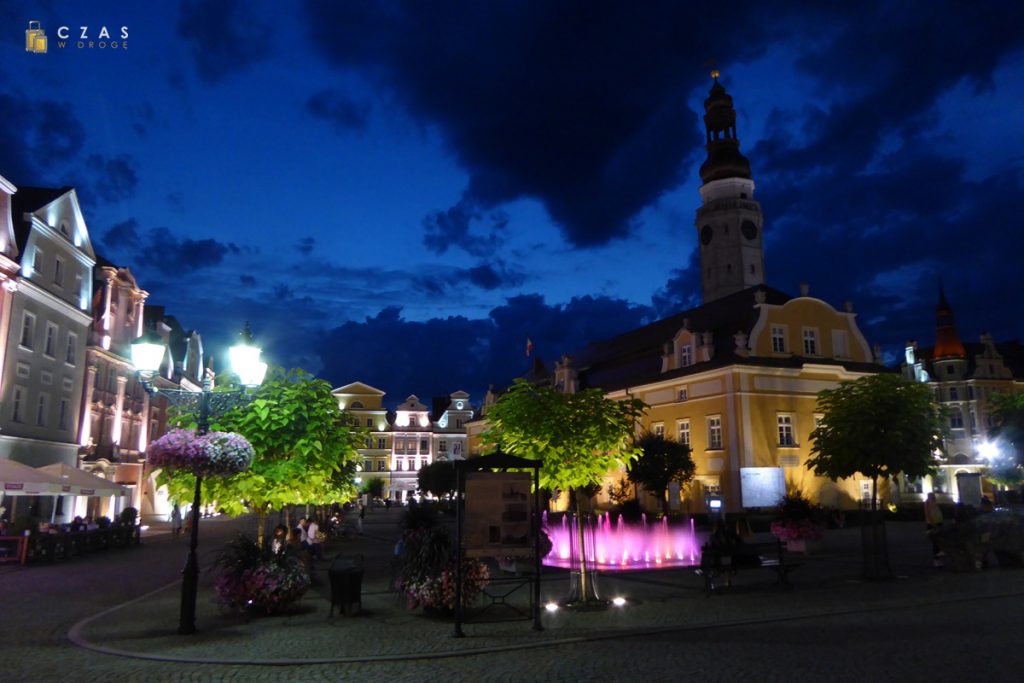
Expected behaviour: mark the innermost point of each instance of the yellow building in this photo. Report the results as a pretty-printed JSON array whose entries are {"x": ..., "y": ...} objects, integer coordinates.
[{"x": 737, "y": 377}]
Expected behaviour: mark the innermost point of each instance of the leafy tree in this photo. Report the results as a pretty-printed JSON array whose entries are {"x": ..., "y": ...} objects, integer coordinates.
[
  {"x": 305, "y": 449},
  {"x": 878, "y": 426},
  {"x": 662, "y": 461},
  {"x": 1007, "y": 468},
  {"x": 577, "y": 437},
  {"x": 374, "y": 487},
  {"x": 437, "y": 478}
]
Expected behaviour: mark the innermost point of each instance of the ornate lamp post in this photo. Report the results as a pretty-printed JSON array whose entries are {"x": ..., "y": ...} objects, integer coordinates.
[{"x": 147, "y": 355}]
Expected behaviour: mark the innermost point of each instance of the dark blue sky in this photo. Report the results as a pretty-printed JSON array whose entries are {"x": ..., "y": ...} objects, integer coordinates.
[{"x": 400, "y": 193}]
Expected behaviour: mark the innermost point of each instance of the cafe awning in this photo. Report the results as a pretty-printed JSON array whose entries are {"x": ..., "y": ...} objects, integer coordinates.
[
  {"x": 82, "y": 483},
  {"x": 17, "y": 479}
]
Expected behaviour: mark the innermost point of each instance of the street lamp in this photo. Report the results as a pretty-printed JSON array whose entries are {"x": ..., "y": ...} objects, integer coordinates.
[{"x": 147, "y": 354}]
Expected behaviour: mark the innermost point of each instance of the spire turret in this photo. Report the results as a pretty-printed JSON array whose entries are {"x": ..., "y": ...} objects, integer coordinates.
[
  {"x": 947, "y": 341},
  {"x": 723, "y": 147}
]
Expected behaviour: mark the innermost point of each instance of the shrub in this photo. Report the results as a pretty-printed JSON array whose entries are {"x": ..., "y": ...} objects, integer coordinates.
[
  {"x": 128, "y": 516},
  {"x": 257, "y": 579},
  {"x": 427, "y": 576}
]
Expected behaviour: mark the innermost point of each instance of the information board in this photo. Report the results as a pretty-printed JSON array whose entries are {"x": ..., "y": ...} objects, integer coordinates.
[
  {"x": 762, "y": 487},
  {"x": 497, "y": 515}
]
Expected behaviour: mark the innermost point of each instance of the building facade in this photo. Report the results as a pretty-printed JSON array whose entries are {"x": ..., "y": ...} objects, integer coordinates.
[
  {"x": 401, "y": 442},
  {"x": 737, "y": 377},
  {"x": 964, "y": 376},
  {"x": 47, "y": 325}
]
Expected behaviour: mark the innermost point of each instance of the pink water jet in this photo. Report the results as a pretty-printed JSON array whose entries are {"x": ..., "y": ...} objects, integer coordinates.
[{"x": 623, "y": 545}]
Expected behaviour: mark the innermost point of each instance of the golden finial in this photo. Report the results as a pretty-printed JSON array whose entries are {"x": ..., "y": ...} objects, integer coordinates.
[{"x": 715, "y": 73}]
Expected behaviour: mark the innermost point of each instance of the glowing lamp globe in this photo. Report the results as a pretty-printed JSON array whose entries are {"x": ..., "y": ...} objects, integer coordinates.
[
  {"x": 245, "y": 362},
  {"x": 148, "y": 353}
]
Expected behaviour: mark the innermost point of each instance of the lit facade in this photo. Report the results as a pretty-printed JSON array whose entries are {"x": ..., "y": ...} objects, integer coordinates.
[
  {"x": 399, "y": 443},
  {"x": 964, "y": 376}
]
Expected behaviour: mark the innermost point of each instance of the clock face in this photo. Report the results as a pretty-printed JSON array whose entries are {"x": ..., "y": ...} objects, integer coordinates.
[
  {"x": 458, "y": 405},
  {"x": 706, "y": 235},
  {"x": 749, "y": 230}
]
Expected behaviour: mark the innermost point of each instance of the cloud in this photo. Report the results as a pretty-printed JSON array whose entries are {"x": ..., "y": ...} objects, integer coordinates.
[
  {"x": 164, "y": 251},
  {"x": 111, "y": 178},
  {"x": 225, "y": 37},
  {"x": 305, "y": 246},
  {"x": 381, "y": 349},
  {"x": 339, "y": 109},
  {"x": 123, "y": 236},
  {"x": 38, "y": 139},
  {"x": 596, "y": 127},
  {"x": 453, "y": 229},
  {"x": 487, "y": 276}
]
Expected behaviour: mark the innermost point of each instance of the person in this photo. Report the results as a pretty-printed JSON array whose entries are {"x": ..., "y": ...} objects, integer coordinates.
[
  {"x": 933, "y": 522},
  {"x": 315, "y": 540},
  {"x": 294, "y": 546},
  {"x": 176, "y": 521},
  {"x": 279, "y": 540},
  {"x": 362, "y": 516}
]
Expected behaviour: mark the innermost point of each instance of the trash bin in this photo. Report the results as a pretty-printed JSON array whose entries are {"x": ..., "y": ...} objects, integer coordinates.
[{"x": 346, "y": 577}]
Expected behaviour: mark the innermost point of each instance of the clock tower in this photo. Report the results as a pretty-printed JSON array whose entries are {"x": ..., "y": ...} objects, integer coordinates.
[{"x": 729, "y": 222}]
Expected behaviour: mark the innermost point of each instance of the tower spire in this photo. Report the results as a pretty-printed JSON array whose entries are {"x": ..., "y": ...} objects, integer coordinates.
[
  {"x": 723, "y": 147},
  {"x": 947, "y": 340}
]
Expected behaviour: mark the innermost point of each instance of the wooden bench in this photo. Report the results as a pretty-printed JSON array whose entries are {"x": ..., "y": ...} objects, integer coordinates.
[{"x": 725, "y": 561}]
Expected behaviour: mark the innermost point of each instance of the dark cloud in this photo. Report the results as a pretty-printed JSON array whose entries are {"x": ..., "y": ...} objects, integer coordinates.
[
  {"x": 123, "y": 237},
  {"x": 305, "y": 246},
  {"x": 596, "y": 126},
  {"x": 111, "y": 178},
  {"x": 246, "y": 280},
  {"x": 38, "y": 139},
  {"x": 339, "y": 109},
  {"x": 487, "y": 276},
  {"x": 452, "y": 228},
  {"x": 461, "y": 353},
  {"x": 225, "y": 37},
  {"x": 164, "y": 251}
]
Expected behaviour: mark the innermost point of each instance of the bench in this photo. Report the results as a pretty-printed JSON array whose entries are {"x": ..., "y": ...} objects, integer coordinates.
[{"x": 725, "y": 561}]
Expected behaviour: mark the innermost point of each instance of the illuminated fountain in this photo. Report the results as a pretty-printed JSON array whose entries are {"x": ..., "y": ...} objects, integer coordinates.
[{"x": 623, "y": 545}]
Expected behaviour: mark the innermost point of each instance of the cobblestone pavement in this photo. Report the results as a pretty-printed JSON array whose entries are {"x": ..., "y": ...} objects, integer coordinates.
[{"x": 926, "y": 624}]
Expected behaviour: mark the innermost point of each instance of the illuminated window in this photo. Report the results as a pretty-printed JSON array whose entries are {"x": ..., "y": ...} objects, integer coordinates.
[
  {"x": 715, "y": 433},
  {"x": 381, "y": 443},
  {"x": 785, "y": 424},
  {"x": 685, "y": 355},
  {"x": 681, "y": 395},
  {"x": 684, "y": 431},
  {"x": 658, "y": 428},
  {"x": 810, "y": 341},
  {"x": 380, "y": 465},
  {"x": 778, "y": 339}
]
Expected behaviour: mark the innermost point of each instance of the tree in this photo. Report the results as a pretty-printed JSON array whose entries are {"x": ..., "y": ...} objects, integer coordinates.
[
  {"x": 437, "y": 478},
  {"x": 661, "y": 462},
  {"x": 373, "y": 487},
  {"x": 577, "y": 437},
  {"x": 878, "y": 426},
  {"x": 305, "y": 449}
]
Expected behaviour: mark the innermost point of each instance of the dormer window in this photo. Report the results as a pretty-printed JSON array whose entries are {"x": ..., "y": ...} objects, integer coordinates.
[
  {"x": 685, "y": 355},
  {"x": 681, "y": 395}
]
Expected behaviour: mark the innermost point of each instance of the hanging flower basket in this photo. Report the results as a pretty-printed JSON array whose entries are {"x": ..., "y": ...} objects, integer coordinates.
[{"x": 217, "y": 454}]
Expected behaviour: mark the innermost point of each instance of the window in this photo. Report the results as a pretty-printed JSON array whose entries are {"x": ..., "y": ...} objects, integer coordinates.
[
  {"x": 398, "y": 465},
  {"x": 840, "y": 346},
  {"x": 949, "y": 369},
  {"x": 50, "y": 345},
  {"x": 658, "y": 428},
  {"x": 956, "y": 420},
  {"x": 58, "y": 272},
  {"x": 42, "y": 409},
  {"x": 954, "y": 395},
  {"x": 37, "y": 261},
  {"x": 70, "y": 353},
  {"x": 381, "y": 443},
  {"x": 424, "y": 446},
  {"x": 682, "y": 394},
  {"x": 368, "y": 443},
  {"x": 685, "y": 355},
  {"x": 715, "y": 433},
  {"x": 28, "y": 330},
  {"x": 684, "y": 431},
  {"x": 970, "y": 392},
  {"x": 423, "y": 463},
  {"x": 458, "y": 423},
  {"x": 380, "y": 465},
  {"x": 369, "y": 422},
  {"x": 367, "y": 465},
  {"x": 810, "y": 342},
  {"x": 778, "y": 339},
  {"x": 442, "y": 446},
  {"x": 785, "y": 423},
  {"x": 18, "y": 405},
  {"x": 62, "y": 419}
]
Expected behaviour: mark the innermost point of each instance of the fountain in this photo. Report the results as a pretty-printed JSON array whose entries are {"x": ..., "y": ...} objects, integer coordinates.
[{"x": 622, "y": 545}]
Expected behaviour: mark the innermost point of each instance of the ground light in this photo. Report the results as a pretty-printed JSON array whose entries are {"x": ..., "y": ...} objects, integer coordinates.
[
  {"x": 619, "y": 601},
  {"x": 551, "y": 607}
]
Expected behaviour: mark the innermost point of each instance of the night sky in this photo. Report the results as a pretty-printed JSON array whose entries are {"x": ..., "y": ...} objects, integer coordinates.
[{"x": 401, "y": 193}]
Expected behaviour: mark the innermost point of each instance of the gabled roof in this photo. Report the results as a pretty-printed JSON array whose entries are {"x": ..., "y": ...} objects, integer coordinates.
[
  {"x": 30, "y": 200},
  {"x": 358, "y": 388}
]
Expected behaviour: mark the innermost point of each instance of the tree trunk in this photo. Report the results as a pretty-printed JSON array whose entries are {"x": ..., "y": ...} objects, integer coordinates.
[
  {"x": 261, "y": 525},
  {"x": 577, "y": 498},
  {"x": 874, "y": 493}
]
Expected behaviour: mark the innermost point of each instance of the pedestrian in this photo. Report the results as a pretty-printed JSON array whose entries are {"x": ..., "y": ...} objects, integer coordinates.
[
  {"x": 315, "y": 539},
  {"x": 362, "y": 516},
  {"x": 175, "y": 521},
  {"x": 280, "y": 539},
  {"x": 933, "y": 522}
]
